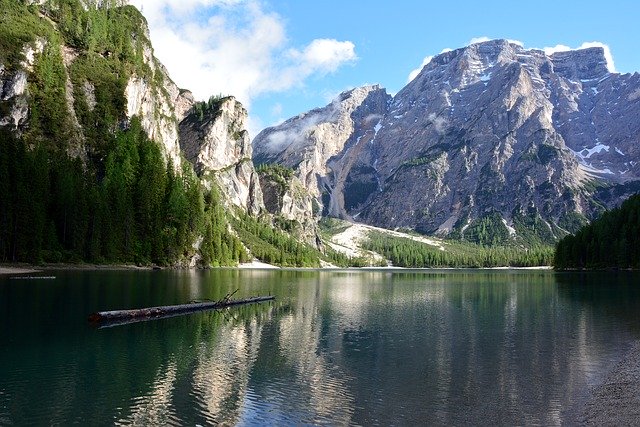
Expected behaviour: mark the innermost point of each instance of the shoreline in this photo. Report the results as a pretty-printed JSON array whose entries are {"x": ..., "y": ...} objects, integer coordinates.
[
  {"x": 8, "y": 271},
  {"x": 616, "y": 401},
  {"x": 20, "y": 268}
]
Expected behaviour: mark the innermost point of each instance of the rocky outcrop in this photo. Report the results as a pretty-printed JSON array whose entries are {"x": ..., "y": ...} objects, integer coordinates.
[
  {"x": 152, "y": 96},
  {"x": 324, "y": 143},
  {"x": 213, "y": 137},
  {"x": 217, "y": 142},
  {"x": 490, "y": 132},
  {"x": 286, "y": 198},
  {"x": 13, "y": 86},
  {"x": 159, "y": 104}
]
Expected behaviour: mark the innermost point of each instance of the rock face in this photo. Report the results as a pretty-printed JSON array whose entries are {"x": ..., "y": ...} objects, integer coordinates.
[
  {"x": 153, "y": 97},
  {"x": 490, "y": 134},
  {"x": 286, "y": 198},
  {"x": 323, "y": 144},
  {"x": 214, "y": 139},
  {"x": 159, "y": 104},
  {"x": 13, "y": 86},
  {"x": 216, "y": 143}
]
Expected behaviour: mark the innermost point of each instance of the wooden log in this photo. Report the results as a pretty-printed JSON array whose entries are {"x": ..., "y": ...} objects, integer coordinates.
[{"x": 126, "y": 316}]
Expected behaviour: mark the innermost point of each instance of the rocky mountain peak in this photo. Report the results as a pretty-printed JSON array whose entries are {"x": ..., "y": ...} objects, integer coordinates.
[
  {"x": 471, "y": 63},
  {"x": 581, "y": 64},
  {"x": 318, "y": 143},
  {"x": 213, "y": 135},
  {"x": 490, "y": 132},
  {"x": 316, "y": 136},
  {"x": 466, "y": 65},
  {"x": 294, "y": 136}
]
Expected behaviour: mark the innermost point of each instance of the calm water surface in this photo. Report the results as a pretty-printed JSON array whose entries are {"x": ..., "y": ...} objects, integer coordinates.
[{"x": 336, "y": 347}]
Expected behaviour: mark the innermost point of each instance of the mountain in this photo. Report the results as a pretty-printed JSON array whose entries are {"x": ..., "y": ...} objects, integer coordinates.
[
  {"x": 492, "y": 143},
  {"x": 104, "y": 159},
  {"x": 326, "y": 144},
  {"x": 316, "y": 144}
]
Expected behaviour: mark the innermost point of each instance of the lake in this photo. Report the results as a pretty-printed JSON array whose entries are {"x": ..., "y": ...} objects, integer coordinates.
[{"x": 380, "y": 347}]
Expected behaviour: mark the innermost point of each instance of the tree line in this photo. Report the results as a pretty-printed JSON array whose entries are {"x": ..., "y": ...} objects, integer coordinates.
[
  {"x": 404, "y": 252},
  {"x": 611, "y": 241},
  {"x": 135, "y": 209}
]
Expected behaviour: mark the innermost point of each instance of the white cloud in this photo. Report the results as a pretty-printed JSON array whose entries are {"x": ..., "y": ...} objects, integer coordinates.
[
  {"x": 414, "y": 73},
  {"x": 276, "y": 109},
  {"x": 439, "y": 123},
  {"x": 295, "y": 133},
  {"x": 277, "y": 141},
  {"x": 324, "y": 55},
  {"x": 518, "y": 42},
  {"x": 608, "y": 56},
  {"x": 556, "y": 48},
  {"x": 235, "y": 47},
  {"x": 372, "y": 118},
  {"x": 479, "y": 40}
]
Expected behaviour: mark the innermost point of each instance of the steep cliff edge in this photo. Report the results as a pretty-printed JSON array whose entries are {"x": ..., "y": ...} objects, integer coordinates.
[
  {"x": 90, "y": 160},
  {"x": 323, "y": 144},
  {"x": 213, "y": 137},
  {"x": 97, "y": 60}
]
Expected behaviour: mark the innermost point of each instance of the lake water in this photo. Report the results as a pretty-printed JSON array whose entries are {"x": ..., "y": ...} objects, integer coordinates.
[{"x": 336, "y": 347}]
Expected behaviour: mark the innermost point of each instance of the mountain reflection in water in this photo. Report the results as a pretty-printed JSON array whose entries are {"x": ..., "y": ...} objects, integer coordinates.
[{"x": 336, "y": 347}]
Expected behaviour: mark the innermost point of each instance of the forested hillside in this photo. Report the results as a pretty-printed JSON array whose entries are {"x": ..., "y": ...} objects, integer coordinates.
[
  {"x": 611, "y": 241},
  {"x": 81, "y": 180},
  {"x": 403, "y": 252},
  {"x": 101, "y": 191}
]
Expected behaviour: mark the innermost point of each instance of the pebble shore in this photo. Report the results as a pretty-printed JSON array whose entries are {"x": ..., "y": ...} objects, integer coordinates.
[{"x": 616, "y": 402}]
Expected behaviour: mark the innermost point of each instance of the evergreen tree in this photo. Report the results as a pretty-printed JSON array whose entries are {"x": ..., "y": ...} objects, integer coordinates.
[{"x": 611, "y": 241}]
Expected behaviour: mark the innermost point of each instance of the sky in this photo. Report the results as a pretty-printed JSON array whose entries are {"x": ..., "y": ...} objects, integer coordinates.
[{"x": 281, "y": 58}]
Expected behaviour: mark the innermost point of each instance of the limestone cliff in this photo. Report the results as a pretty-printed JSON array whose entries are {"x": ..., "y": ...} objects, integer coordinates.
[
  {"x": 287, "y": 199},
  {"x": 136, "y": 80},
  {"x": 13, "y": 85},
  {"x": 213, "y": 137},
  {"x": 106, "y": 93},
  {"x": 90, "y": 130},
  {"x": 106, "y": 83},
  {"x": 160, "y": 104},
  {"x": 324, "y": 143}
]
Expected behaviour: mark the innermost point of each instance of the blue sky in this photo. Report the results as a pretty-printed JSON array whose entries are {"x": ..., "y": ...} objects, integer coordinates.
[{"x": 284, "y": 57}]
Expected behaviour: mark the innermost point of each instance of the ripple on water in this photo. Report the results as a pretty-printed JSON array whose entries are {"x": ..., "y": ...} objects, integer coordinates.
[{"x": 403, "y": 349}]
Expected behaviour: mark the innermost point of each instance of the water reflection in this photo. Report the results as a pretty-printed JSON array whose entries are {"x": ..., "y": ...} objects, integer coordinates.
[
  {"x": 221, "y": 376},
  {"x": 345, "y": 347},
  {"x": 309, "y": 354},
  {"x": 155, "y": 407}
]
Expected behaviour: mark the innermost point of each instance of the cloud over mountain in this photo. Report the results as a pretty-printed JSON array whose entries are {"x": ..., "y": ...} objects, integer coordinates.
[{"x": 235, "y": 47}]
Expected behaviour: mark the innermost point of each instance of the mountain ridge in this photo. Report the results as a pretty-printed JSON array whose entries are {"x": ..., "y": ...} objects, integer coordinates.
[
  {"x": 489, "y": 133},
  {"x": 105, "y": 159}
]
